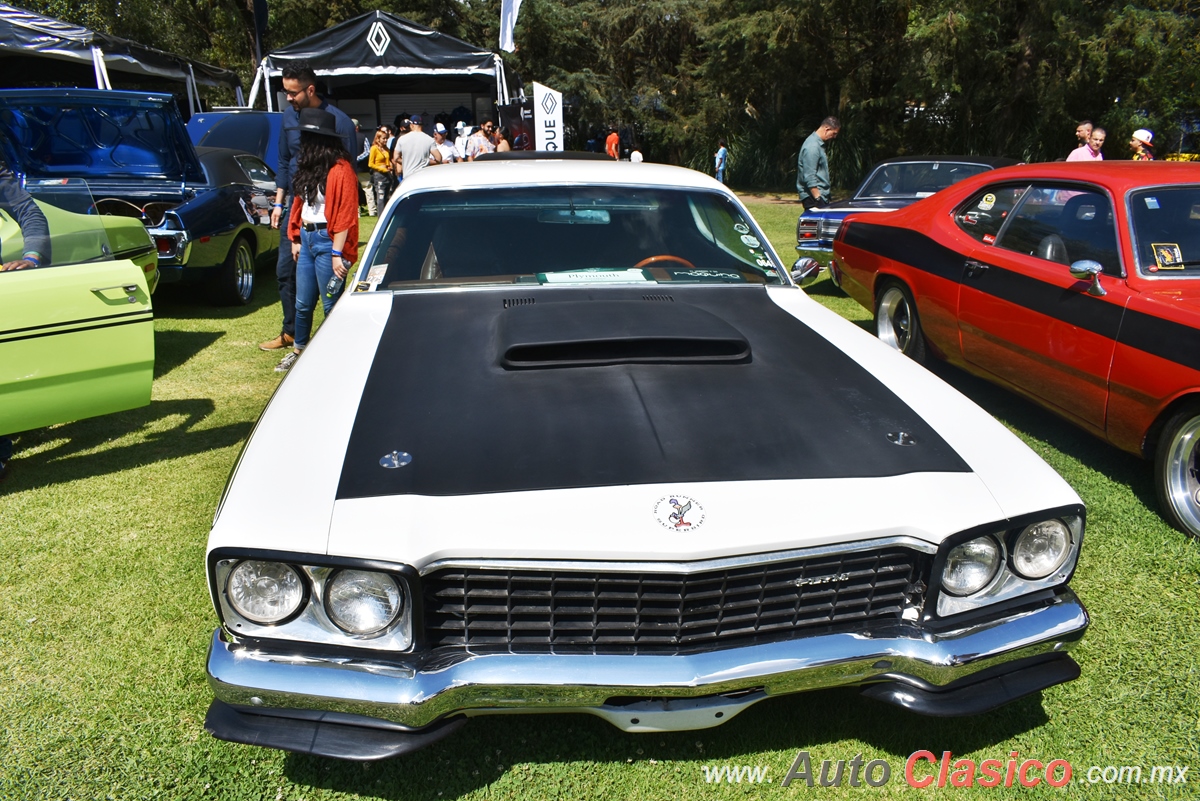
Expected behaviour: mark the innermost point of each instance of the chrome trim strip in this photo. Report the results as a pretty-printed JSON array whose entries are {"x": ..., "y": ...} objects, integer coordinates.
[
  {"x": 702, "y": 566},
  {"x": 401, "y": 692}
]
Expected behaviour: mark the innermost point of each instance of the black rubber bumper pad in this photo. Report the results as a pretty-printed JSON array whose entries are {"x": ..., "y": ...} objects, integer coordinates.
[
  {"x": 977, "y": 694},
  {"x": 314, "y": 735}
]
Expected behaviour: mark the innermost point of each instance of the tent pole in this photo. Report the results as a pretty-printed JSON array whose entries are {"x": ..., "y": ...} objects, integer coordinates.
[
  {"x": 104, "y": 70},
  {"x": 258, "y": 76},
  {"x": 501, "y": 81},
  {"x": 193, "y": 91}
]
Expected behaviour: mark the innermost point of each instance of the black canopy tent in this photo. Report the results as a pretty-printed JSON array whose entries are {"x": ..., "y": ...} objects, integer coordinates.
[
  {"x": 378, "y": 53},
  {"x": 49, "y": 50}
]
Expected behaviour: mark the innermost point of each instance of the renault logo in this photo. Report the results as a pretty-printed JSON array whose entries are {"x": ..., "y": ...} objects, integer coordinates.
[{"x": 378, "y": 39}]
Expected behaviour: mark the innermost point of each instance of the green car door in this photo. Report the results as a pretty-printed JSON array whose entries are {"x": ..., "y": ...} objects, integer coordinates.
[{"x": 77, "y": 336}]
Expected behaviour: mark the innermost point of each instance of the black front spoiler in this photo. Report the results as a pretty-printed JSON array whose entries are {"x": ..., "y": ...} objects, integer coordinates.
[
  {"x": 317, "y": 734},
  {"x": 979, "y": 693}
]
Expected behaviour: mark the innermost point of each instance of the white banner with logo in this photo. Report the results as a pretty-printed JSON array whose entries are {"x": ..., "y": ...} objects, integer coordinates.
[{"x": 547, "y": 118}]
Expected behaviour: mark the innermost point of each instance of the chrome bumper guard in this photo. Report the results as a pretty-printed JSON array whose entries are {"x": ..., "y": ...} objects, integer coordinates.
[{"x": 649, "y": 692}]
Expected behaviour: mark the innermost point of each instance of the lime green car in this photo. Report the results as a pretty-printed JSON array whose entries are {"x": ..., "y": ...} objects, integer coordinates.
[{"x": 76, "y": 335}]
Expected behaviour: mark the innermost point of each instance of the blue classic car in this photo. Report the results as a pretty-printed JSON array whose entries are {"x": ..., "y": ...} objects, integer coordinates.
[
  {"x": 892, "y": 184},
  {"x": 208, "y": 212}
]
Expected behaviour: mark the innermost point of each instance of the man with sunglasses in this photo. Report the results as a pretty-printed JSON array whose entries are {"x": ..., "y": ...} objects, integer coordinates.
[
  {"x": 481, "y": 141},
  {"x": 300, "y": 88}
]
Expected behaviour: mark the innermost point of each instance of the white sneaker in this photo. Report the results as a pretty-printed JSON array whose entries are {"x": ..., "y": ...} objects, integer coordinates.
[{"x": 287, "y": 362}]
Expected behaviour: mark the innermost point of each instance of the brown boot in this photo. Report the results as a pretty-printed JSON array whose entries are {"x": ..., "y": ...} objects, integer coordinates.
[{"x": 278, "y": 343}]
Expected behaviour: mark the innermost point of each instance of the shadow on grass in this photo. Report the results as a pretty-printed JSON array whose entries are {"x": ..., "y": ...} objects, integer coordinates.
[
  {"x": 544, "y": 745},
  {"x": 83, "y": 450},
  {"x": 173, "y": 348}
]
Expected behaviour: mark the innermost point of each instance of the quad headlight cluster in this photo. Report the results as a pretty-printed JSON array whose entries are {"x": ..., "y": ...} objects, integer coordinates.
[
  {"x": 313, "y": 603},
  {"x": 997, "y": 566}
]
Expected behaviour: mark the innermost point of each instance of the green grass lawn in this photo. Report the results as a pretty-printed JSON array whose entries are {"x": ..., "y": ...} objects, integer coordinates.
[{"x": 106, "y": 620}]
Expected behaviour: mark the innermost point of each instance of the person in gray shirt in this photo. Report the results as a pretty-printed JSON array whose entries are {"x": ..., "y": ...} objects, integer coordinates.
[
  {"x": 812, "y": 166},
  {"x": 415, "y": 150}
]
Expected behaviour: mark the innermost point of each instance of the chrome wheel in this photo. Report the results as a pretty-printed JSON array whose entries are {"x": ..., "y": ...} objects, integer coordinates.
[
  {"x": 896, "y": 322},
  {"x": 1176, "y": 470},
  {"x": 243, "y": 271},
  {"x": 232, "y": 284}
]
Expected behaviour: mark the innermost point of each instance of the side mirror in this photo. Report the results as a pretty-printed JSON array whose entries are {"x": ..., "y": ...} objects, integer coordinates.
[
  {"x": 1089, "y": 270},
  {"x": 805, "y": 271}
]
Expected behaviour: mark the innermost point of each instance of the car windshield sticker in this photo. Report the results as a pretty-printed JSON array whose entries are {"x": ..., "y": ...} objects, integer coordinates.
[
  {"x": 750, "y": 241},
  {"x": 741, "y": 228},
  {"x": 710, "y": 276},
  {"x": 679, "y": 513},
  {"x": 988, "y": 239},
  {"x": 595, "y": 277},
  {"x": 988, "y": 201},
  {"x": 1167, "y": 256},
  {"x": 374, "y": 278},
  {"x": 1152, "y": 203}
]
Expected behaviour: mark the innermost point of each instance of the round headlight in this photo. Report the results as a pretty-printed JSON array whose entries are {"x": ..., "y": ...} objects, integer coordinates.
[
  {"x": 362, "y": 602},
  {"x": 265, "y": 592},
  {"x": 971, "y": 566},
  {"x": 1041, "y": 549}
]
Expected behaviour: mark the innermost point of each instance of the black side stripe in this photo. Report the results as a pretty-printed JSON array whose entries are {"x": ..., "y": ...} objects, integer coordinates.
[
  {"x": 1166, "y": 339},
  {"x": 147, "y": 319},
  {"x": 137, "y": 313}
]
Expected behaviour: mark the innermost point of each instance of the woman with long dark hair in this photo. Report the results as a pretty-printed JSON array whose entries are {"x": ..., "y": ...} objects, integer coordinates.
[{"x": 323, "y": 228}]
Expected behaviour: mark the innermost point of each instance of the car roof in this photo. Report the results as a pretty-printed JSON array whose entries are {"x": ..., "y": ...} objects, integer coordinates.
[
  {"x": 560, "y": 172},
  {"x": 1117, "y": 175},
  {"x": 990, "y": 161}
]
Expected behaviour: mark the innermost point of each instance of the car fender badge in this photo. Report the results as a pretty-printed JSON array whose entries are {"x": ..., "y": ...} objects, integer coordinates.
[
  {"x": 395, "y": 459},
  {"x": 679, "y": 513}
]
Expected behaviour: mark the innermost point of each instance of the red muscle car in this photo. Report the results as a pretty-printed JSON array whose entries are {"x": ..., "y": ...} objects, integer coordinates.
[{"x": 1076, "y": 285}]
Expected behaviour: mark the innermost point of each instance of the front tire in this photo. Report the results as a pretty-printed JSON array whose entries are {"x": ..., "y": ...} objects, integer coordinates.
[
  {"x": 233, "y": 282},
  {"x": 1176, "y": 469},
  {"x": 897, "y": 323}
]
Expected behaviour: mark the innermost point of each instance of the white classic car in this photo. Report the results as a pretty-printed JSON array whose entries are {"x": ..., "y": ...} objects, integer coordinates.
[{"x": 545, "y": 456}]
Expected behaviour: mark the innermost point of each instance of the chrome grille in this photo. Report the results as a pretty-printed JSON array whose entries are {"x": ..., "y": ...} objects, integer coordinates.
[{"x": 482, "y": 609}]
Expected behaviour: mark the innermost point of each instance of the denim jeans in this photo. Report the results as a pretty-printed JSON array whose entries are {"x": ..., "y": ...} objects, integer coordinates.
[
  {"x": 314, "y": 268},
  {"x": 285, "y": 271}
]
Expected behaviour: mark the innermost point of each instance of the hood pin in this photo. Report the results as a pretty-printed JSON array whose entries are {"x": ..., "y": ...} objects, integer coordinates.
[
  {"x": 395, "y": 459},
  {"x": 901, "y": 438}
]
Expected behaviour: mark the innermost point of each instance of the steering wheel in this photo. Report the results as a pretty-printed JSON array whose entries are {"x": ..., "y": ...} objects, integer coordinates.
[{"x": 663, "y": 257}]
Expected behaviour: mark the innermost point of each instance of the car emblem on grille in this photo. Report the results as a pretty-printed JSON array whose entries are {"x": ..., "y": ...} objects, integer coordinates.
[
  {"x": 679, "y": 513},
  {"x": 818, "y": 580}
]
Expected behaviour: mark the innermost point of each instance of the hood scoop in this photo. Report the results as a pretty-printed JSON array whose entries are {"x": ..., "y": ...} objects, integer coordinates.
[{"x": 604, "y": 332}]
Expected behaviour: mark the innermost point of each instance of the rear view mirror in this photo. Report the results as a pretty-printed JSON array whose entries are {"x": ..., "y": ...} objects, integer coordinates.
[
  {"x": 1089, "y": 270},
  {"x": 805, "y": 271}
]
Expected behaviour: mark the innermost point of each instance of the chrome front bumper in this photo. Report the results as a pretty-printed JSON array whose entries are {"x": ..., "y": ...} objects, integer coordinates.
[{"x": 648, "y": 692}]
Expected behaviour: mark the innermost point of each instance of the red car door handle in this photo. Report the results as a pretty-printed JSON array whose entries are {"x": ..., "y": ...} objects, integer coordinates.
[{"x": 975, "y": 268}]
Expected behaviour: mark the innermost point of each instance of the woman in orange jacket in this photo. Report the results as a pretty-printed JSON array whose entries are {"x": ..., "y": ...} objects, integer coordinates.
[{"x": 323, "y": 228}]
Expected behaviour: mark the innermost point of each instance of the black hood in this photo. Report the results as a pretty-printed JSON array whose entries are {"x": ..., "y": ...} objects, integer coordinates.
[{"x": 551, "y": 388}]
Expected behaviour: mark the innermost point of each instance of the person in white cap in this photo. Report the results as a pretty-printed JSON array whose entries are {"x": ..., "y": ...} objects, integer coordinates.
[
  {"x": 462, "y": 132},
  {"x": 449, "y": 154},
  {"x": 1141, "y": 144}
]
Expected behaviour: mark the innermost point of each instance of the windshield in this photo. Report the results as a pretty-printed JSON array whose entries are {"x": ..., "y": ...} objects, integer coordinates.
[
  {"x": 1166, "y": 230},
  {"x": 916, "y": 178},
  {"x": 567, "y": 235},
  {"x": 62, "y": 227}
]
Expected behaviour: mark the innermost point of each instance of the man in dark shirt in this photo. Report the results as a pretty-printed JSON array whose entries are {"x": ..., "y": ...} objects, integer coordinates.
[{"x": 299, "y": 84}]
